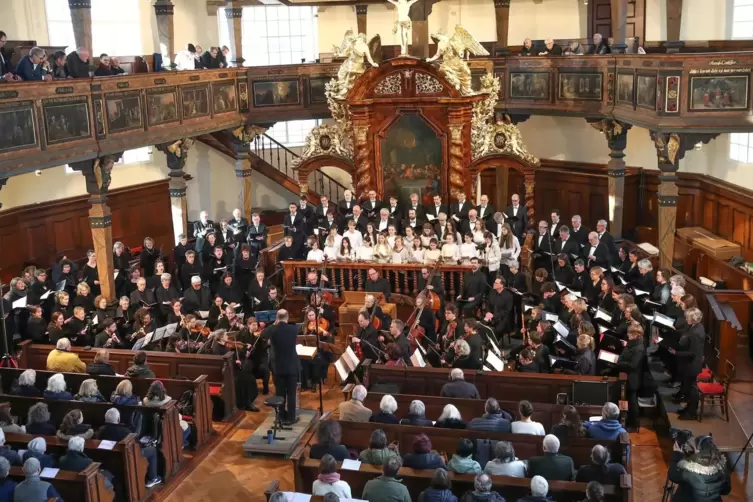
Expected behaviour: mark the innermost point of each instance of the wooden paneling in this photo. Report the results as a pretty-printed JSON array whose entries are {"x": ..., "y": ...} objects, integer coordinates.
[
  {"x": 43, "y": 233},
  {"x": 600, "y": 18}
]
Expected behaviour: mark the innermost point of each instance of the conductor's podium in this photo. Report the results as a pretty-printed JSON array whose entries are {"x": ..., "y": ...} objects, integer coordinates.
[{"x": 354, "y": 302}]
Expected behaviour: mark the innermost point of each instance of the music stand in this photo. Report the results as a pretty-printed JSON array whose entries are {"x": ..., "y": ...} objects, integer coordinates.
[{"x": 267, "y": 316}]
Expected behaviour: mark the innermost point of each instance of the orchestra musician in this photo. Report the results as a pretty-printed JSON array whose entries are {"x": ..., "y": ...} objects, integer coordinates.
[
  {"x": 257, "y": 352},
  {"x": 272, "y": 302},
  {"x": 377, "y": 284},
  {"x": 228, "y": 320},
  {"x": 368, "y": 337},
  {"x": 314, "y": 370},
  {"x": 374, "y": 310},
  {"x": 449, "y": 328},
  {"x": 108, "y": 337},
  {"x": 500, "y": 307},
  {"x": 399, "y": 337},
  {"x": 474, "y": 288}
]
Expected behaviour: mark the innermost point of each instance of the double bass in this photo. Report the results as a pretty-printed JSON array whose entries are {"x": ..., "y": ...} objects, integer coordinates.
[{"x": 431, "y": 299}]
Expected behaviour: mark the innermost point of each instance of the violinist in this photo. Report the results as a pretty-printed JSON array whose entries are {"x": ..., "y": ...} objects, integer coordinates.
[
  {"x": 368, "y": 337},
  {"x": 449, "y": 328},
  {"x": 397, "y": 330},
  {"x": 426, "y": 320},
  {"x": 500, "y": 306},
  {"x": 475, "y": 343},
  {"x": 257, "y": 352},
  {"x": 176, "y": 313},
  {"x": 313, "y": 370},
  {"x": 394, "y": 355},
  {"x": 186, "y": 326},
  {"x": 108, "y": 337},
  {"x": 462, "y": 356},
  {"x": 526, "y": 362},
  {"x": 229, "y": 321},
  {"x": 272, "y": 302}
]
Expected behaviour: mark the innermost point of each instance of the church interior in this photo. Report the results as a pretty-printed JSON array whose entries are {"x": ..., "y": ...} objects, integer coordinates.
[{"x": 185, "y": 183}]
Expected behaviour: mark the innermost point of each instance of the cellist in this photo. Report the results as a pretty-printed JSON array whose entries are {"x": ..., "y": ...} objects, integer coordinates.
[
  {"x": 253, "y": 362},
  {"x": 376, "y": 313},
  {"x": 432, "y": 283},
  {"x": 424, "y": 317},
  {"x": 312, "y": 370}
]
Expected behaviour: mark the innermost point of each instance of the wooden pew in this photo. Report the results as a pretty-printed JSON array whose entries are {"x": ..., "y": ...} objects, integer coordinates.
[
  {"x": 124, "y": 461},
  {"x": 202, "y": 404},
  {"x": 512, "y": 386},
  {"x": 86, "y": 486},
  {"x": 357, "y": 434},
  {"x": 218, "y": 370},
  {"x": 547, "y": 414},
  {"x": 94, "y": 415}
]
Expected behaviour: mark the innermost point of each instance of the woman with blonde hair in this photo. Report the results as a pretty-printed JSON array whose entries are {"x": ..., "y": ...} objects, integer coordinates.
[
  {"x": 88, "y": 392},
  {"x": 123, "y": 394},
  {"x": 585, "y": 363},
  {"x": 83, "y": 297},
  {"x": 382, "y": 250}
]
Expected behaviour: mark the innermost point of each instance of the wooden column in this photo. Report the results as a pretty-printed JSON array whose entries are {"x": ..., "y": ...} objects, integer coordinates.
[
  {"x": 243, "y": 174},
  {"x": 176, "y": 154},
  {"x": 234, "y": 16},
  {"x": 619, "y": 25},
  {"x": 98, "y": 176},
  {"x": 81, "y": 18},
  {"x": 502, "y": 15},
  {"x": 163, "y": 9},
  {"x": 616, "y": 133},
  {"x": 419, "y": 15},
  {"x": 674, "y": 20},
  {"x": 361, "y": 17},
  {"x": 503, "y": 190}
]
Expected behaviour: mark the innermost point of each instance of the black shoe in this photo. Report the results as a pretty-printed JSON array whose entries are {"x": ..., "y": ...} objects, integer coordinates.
[
  {"x": 685, "y": 415},
  {"x": 290, "y": 422},
  {"x": 252, "y": 408}
]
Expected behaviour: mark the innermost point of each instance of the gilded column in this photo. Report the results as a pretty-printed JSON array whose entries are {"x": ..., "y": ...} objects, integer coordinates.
[
  {"x": 176, "y": 154},
  {"x": 165, "y": 29},
  {"x": 234, "y": 17},
  {"x": 97, "y": 173},
  {"x": 456, "y": 177},
  {"x": 81, "y": 18},
  {"x": 362, "y": 160},
  {"x": 529, "y": 183}
]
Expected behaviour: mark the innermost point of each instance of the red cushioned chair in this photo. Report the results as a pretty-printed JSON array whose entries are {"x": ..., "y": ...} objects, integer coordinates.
[{"x": 717, "y": 391}]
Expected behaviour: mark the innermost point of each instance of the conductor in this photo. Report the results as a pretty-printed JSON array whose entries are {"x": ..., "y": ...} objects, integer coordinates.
[{"x": 286, "y": 364}]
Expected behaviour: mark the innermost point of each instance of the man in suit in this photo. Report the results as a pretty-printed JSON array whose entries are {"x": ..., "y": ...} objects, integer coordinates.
[
  {"x": 396, "y": 212},
  {"x": 554, "y": 228},
  {"x": 596, "y": 254},
  {"x": 307, "y": 211},
  {"x": 606, "y": 238},
  {"x": 579, "y": 232},
  {"x": 257, "y": 234},
  {"x": 468, "y": 225},
  {"x": 486, "y": 211},
  {"x": 6, "y": 75},
  {"x": 415, "y": 204},
  {"x": 567, "y": 245},
  {"x": 441, "y": 227},
  {"x": 345, "y": 206},
  {"x": 474, "y": 288},
  {"x": 517, "y": 217},
  {"x": 359, "y": 218},
  {"x": 322, "y": 209},
  {"x": 377, "y": 284},
  {"x": 30, "y": 67},
  {"x": 295, "y": 226},
  {"x": 384, "y": 220},
  {"x": 552, "y": 466},
  {"x": 239, "y": 225},
  {"x": 226, "y": 239},
  {"x": 542, "y": 248},
  {"x": 500, "y": 302},
  {"x": 459, "y": 210},
  {"x": 372, "y": 205},
  {"x": 283, "y": 337},
  {"x": 200, "y": 230},
  {"x": 413, "y": 222},
  {"x": 433, "y": 211}
]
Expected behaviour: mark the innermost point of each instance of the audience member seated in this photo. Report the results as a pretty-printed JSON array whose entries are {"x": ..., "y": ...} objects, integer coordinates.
[
  {"x": 157, "y": 396},
  {"x": 570, "y": 425},
  {"x": 422, "y": 456},
  {"x": 101, "y": 364},
  {"x": 108, "y": 66},
  {"x": 458, "y": 387},
  {"x": 58, "y": 66},
  {"x": 416, "y": 415},
  {"x": 462, "y": 460},
  {"x": 601, "y": 469},
  {"x": 328, "y": 441},
  {"x": 450, "y": 418},
  {"x": 328, "y": 480},
  {"x": 439, "y": 489},
  {"x": 38, "y": 421},
  {"x": 7, "y": 425},
  {"x": 88, "y": 392},
  {"x": 26, "y": 385},
  {"x": 139, "y": 368},
  {"x": 73, "y": 425},
  {"x": 539, "y": 489},
  {"x": 75, "y": 459},
  {"x": 56, "y": 388},
  {"x": 63, "y": 360},
  {"x": 33, "y": 489},
  {"x": 594, "y": 492},
  {"x": 354, "y": 410},
  {"x": 599, "y": 46},
  {"x": 378, "y": 450},
  {"x": 505, "y": 462},
  {"x": 700, "y": 474},
  {"x": 7, "y": 452},
  {"x": 525, "y": 425},
  {"x": 7, "y": 486},
  {"x": 37, "y": 448},
  {"x": 113, "y": 430},
  {"x": 494, "y": 420},
  {"x": 77, "y": 63},
  {"x": 386, "y": 488},
  {"x": 123, "y": 394},
  {"x": 482, "y": 491},
  {"x": 609, "y": 427},
  {"x": 552, "y": 465},
  {"x": 550, "y": 48},
  {"x": 387, "y": 409},
  {"x": 30, "y": 66}
]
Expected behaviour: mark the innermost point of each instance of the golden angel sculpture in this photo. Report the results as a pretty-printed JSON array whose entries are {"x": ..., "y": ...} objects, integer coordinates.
[
  {"x": 452, "y": 51},
  {"x": 354, "y": 48}
]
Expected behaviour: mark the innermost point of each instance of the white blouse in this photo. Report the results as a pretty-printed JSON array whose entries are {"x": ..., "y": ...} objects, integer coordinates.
[
  {"x": 355, "y": 238},
  {"x": 315, "y": 255},
  {"x": 510, "y": 255}
]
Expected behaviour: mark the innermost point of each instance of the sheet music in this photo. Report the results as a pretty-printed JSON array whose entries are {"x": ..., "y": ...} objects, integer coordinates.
[
  {"x": 115, "y": 275},
  {"x": 342, "y": 371},
  {"x": 664, "y": 320},
  {"x": 596, "y": 418},
  {"x": 515, "y": 291},
  {"x": 622, "y": 280},
  {"x": 20, "y": 303},
  {"x": 46, "y": 295},
  {"x": 95, "y": 320},
  {"x": 551, "y": 317},
  {"x": 430, "y": 217},
  {"x": 561, "y": 328},
  {"x": 526, "y": 308},
  {"x": 397, "y": 258},
  {"x": 417, "y": 360},
  {"x": 639, "y": 292},
  {"x": 351, "y": 465},
  {"x": 304, "y": 351},
  {"x": 610, "y": 357},
  {"x": 603, "y": 329},
  {"x": 106, "y": 445},
  {"x": 60, "y": 285},
  {"x": 353, "y": 360},
  {"x": 495, "y": 362},
  {"x": 495, "y": 349},
  {"x": 49, "y": 472},
  {"x": 297, "y": 497},
  {"x": 600, "y": 314},
  {"x": 575, "y": 293},
  {"x": 204, "y": 314},
  {"x": 560, "y": 286}
]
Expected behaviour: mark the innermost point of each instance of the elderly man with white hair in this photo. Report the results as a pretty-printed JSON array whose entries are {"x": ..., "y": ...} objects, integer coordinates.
[
  {"x": 458, "y": 387},
  {"x": 354, "y": 410},
  {"x": 33, "y": 489},
  {"x": 482, "y": 491},
  {"x": 62, "y": 359},
  {"x": 552, "y": 465},
  {"x": 75, "y": 459},
  {"x": 609, "y": 427},
  {"x": 539, "y": 489},
  {"x": 417, "y": 415},
  {"x": 197, "y": 298}
]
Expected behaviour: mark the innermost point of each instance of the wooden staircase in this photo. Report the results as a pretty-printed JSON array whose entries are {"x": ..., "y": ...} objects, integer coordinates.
[{"x": 274, "y": 160}]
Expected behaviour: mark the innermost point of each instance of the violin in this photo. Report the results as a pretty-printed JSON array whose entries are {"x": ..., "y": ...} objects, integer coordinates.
[
  {"x": 449, "y": 335},
  {"x": 319, "y": 329}
]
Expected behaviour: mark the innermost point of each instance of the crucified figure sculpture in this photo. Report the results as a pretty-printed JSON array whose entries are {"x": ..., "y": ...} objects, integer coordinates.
[{"x": 403, "y": 23}]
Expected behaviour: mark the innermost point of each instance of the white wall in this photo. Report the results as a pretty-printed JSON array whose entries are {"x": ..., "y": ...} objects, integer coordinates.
[
  {"x": 24, "y": 20},
  {"x": 194, "y": 25}
]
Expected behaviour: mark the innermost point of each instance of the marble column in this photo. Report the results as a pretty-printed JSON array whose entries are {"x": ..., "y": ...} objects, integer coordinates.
[
  {"x": 81, "y": 18},
  {"x": 361, "y": 11},
  {"x": 619, "y": 25},
  {"x": 165, "y": 29},
  {"x": 97, "y": 173},
  {"x": 176, "y": 154},
  {"x": 502, "y": 15},
  {"x": 234, "y": 16}
]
